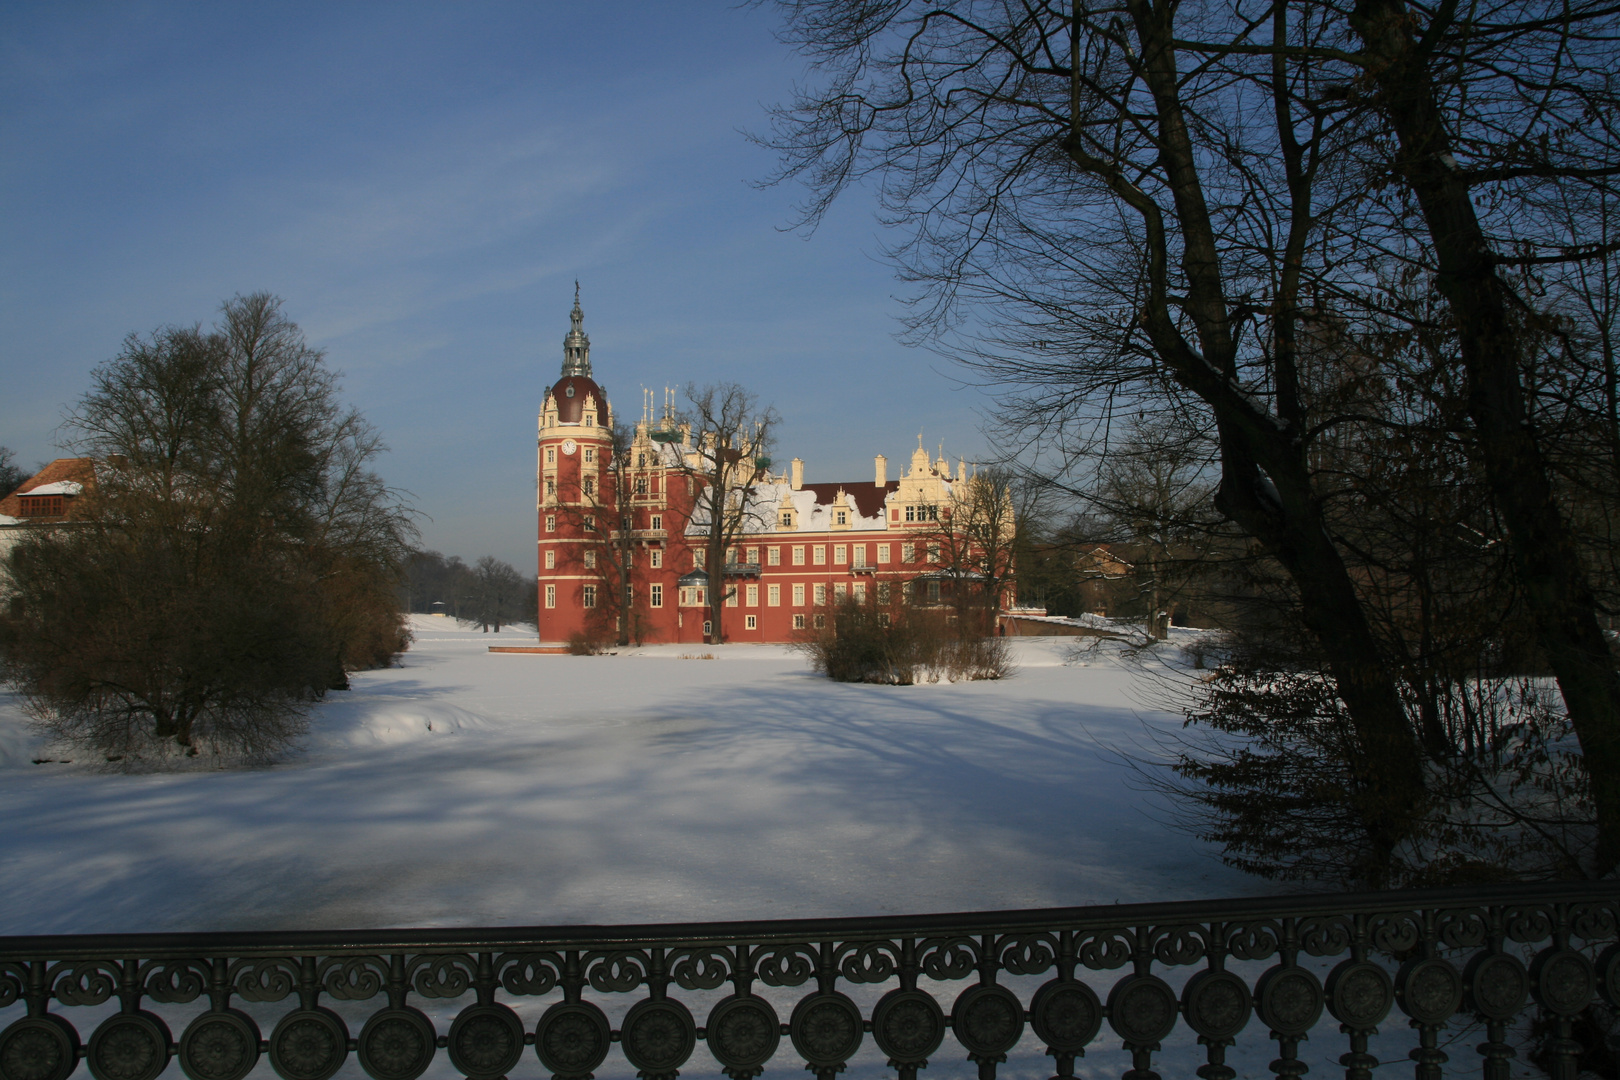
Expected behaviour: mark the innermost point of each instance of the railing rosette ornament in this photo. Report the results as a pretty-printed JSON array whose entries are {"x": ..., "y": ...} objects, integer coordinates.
[
  {"x": 1216, "y": 1004},
  {"x": 312, "y": 1041},
  {"x": 1288, "y": 999},
  {"x": 1485, "y": 956}
]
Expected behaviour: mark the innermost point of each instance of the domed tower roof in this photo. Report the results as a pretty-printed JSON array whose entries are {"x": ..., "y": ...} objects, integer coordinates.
[
  {"x": 570, "y": 394},
  {"x": 576, "y": 346}
]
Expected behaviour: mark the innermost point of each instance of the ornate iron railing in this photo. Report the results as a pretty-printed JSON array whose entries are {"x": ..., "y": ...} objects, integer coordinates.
[{"x": 1441, "y": 957}]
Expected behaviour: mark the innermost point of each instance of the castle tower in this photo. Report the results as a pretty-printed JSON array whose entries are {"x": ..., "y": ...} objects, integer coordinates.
[{"x": 574, "y": 490}]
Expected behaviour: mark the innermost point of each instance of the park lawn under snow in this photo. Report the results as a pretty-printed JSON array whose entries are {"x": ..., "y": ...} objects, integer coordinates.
[{"x": 469, "y": 788}]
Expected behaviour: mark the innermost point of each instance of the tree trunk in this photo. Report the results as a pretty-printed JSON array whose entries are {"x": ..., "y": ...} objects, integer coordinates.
[{"x": 1555, "y": 587}]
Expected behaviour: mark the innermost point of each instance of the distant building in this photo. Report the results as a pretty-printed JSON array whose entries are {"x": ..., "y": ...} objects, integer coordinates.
[
  {"x": 48, "y": 499},
  {"x": 805, "y": 547}
]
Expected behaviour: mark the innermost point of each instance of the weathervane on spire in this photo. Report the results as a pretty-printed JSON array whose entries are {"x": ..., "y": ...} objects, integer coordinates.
[{"x": 576, "y": 346}]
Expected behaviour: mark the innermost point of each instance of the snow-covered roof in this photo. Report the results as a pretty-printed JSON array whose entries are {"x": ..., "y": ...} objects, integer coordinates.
[{"x": 59, "y": 487}]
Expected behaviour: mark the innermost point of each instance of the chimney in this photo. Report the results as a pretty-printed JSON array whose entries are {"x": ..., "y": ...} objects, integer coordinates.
[
  {"x": 882, "y": 464},
  {"x": 798, "y": 473}
]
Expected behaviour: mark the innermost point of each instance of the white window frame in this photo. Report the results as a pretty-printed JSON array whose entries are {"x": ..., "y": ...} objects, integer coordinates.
[
  {"x": 551, "y": 596},
  {"x": 773, "y": 596},
  {"x": 773, "y": 556},
  {"x": 551, "y": 558},
  {"x": 883, "y": 554},
  {"x": 751, "y": 598},
  {"x": 587, "y": 596},
  {"x": 840, "y": 554},
  {"x": 656, "y": 596},
  {"x": 798, "y": 554},
  {"x": 750, "y": 622},
  {"x": 798, "y": 596},
  {"x": 818, "y": 555}
]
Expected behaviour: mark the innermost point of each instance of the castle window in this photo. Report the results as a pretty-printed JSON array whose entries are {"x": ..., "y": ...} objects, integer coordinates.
[
  {"x": 590, "y": 560},
  {"x": 590, "y": 485},
  {"x": 658, "y": 521},
  {"x": 860, "y": 555},
  {"x": 655, "y": 558},
  {"x": 821, "y": 595},
  {"x": 787, "y": 519},
  {"x": 753, "y": 623},
  {"x": 656, "y": 593},
  {"x": 908, "y": 552},
  {"x": 551, "y": 455},
  {"x": 798, "y": 554},
  {"x": 551, "y": 523},
  {"x": 860, "y": 592},
  {"x": 933, "y": 553},
  {"x": 883, "y": 592},
  {"x": 590, "y": 419},
  {"x": 708, "y": 627},
  {"x": 798, "y": 596},
  {"x": 551, "y": 596},
  {"x": 590, "y": 453},
  {"x": 641, "y": 485},
  {"x": 731, "y": 597},
  {"x": 589, "y": 595},
  {"x": 821, "y": 622},
  {"x": 840, "y": 591},
  {"x": 883, "y": 554},
  {"x": 841, "y": 517},
  {"x": 840, "y": 554},
  {"x": 753, "y": 596},
  {"x": 753, "y": 554},
  {"x": 818, "y": 554},
  {"x": 773, "y": 556},
  {"x": 933, "y": 591},
  {"x": 551, "y": 486},
  {"x": 773, "y": 595},
  {"x": 798, "y": 622},
  {"x": 551, "y": 559},
  {"x": 911, "y": 513},
  {"x": 590, "y": 523}
]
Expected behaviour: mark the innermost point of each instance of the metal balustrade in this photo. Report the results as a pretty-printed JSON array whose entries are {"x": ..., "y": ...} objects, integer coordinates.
[{"x": 1439, "y": 957}]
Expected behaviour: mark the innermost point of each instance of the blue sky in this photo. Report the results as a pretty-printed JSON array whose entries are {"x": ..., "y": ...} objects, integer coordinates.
[{"x": 422, "y": 183}]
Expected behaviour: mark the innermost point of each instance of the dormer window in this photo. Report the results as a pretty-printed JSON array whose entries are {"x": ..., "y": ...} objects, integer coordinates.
[
  {"x": 568, "y": 391},
  {"x": 841, "y": 517},
  {"x": 41, "y": 505},
  {"x": 787, "y": 519}
]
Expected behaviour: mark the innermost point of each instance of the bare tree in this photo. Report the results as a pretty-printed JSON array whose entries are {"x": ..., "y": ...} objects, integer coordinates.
[
  {"x": 730, "y": 435},
  {"x": 11, "y": 476},
  {"x": 1136, "y": 232},
  {"x": 976, "y": 536},
  {"x": 239, "y": 556}
]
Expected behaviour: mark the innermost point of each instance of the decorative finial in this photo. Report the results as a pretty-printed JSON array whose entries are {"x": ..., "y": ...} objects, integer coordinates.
[{"x": 576, "y": 346}]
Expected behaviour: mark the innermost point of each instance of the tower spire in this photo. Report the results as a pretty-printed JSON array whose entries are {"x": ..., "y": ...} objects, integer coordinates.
[{"x": 576, "y": 346}]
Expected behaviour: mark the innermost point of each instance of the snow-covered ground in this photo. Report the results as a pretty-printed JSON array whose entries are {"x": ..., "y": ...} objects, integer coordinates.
[{"x": 470, "y": 788}]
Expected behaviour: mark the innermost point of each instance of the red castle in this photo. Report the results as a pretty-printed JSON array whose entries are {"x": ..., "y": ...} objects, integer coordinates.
[{"x": 797, "y": 548}]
